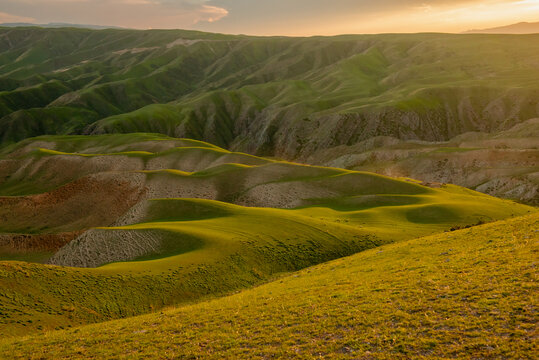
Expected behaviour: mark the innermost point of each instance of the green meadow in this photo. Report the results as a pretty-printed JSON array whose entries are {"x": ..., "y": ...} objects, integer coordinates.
[{"x": 464, "y": 294}]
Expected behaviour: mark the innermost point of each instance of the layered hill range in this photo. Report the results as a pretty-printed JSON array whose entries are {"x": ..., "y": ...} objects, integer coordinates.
[
  {"x": 519, "y": 28},
  {"x": 151, "y": 221},
  {"x": 447, "y": 108}
]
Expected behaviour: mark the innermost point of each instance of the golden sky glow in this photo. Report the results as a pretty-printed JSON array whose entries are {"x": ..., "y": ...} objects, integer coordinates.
[
  {"x": 453, "y": 19},
  {"x": 278, "y": 17}
]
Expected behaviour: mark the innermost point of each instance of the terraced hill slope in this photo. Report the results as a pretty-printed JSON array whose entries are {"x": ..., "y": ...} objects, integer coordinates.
[
  {"x": 284, "y": 97},
  {"x": 153, "y": 221},
  {"x": 465, "y": 294}
]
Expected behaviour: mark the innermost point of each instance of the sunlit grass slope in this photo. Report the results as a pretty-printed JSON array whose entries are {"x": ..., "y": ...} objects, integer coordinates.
[
  {"x": 223, "y": 249},
  {"x": 88, "y": 177},
  {"x": 206, "y": 230},
  {"x": 464, "y": 294},
  {"x": 162, "y": 221},
  {"x": 191, "y": 249}
]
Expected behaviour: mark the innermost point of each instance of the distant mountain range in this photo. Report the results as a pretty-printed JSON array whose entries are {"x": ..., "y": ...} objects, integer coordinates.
[
  {"x": 520, "y": 28},
  {"x": 60, "y": 25},
  {"x": 442, "y": 108}
]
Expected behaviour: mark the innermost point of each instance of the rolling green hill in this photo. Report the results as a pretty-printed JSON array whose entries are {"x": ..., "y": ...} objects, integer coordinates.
[
  {"x": 466, "y": 294},
  {"x": 136, "y": 222},
  {"x": 284, "y": 97}
]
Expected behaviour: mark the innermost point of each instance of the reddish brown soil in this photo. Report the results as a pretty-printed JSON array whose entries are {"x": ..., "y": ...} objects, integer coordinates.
[
  {"x": 91, "y": 201},
  {"x": 36, "y": 242},
  {"x": 7, "y": 168}
]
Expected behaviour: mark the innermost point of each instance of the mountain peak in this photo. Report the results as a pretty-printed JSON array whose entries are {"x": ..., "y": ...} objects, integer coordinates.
[{"x": 518, "y": 28}]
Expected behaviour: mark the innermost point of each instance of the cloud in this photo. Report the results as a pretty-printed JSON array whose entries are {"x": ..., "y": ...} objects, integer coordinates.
[
  {"x": 213, "y": 13},
  {"x": 125, "y": 13},
  {"x": 10, "y": 18}
]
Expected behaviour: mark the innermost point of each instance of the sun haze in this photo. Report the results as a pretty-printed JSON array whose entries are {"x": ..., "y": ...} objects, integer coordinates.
[{"x": 278, "y": 17}]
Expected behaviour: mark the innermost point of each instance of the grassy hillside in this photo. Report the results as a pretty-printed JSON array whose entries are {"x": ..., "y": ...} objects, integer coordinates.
[
  {"x": 268, "y": 96},
  {"x": 145, "y": 214},
  {"x": 284, "y": 97},
  {"x": 57, "y": 185},
  {"x": 464, "y": 294},
  {"x": 153, "y": 221},
  {"x": 188, "y": 258}
]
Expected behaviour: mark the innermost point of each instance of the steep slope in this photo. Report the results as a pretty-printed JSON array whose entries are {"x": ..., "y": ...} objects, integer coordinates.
[
  {"x": 504, "y": 164},
  {"x": 465, "y": 294}
]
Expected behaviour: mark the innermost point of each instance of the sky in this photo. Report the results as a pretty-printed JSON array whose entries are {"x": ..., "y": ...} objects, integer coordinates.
[{"x": 278, "y": 17}]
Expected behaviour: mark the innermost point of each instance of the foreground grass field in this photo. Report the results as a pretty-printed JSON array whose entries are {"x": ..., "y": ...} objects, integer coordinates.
[
  {"x": 468, "y": 294},
  {"x": 156, "y": 221},
  {"x": 186, "y": 250}
]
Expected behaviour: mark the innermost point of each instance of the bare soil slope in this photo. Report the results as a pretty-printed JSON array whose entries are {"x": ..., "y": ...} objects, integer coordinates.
[{"x": 504, "y": 164}]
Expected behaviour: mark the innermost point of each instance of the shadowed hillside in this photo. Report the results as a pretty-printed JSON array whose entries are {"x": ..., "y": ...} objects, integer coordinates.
[
  {"x": 504, "y": 164},
  {"x": 284, "y": 97}
]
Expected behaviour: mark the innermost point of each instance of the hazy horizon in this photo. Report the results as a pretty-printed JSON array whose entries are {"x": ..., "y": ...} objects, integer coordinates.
[{"x": 298, "y": 18}]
